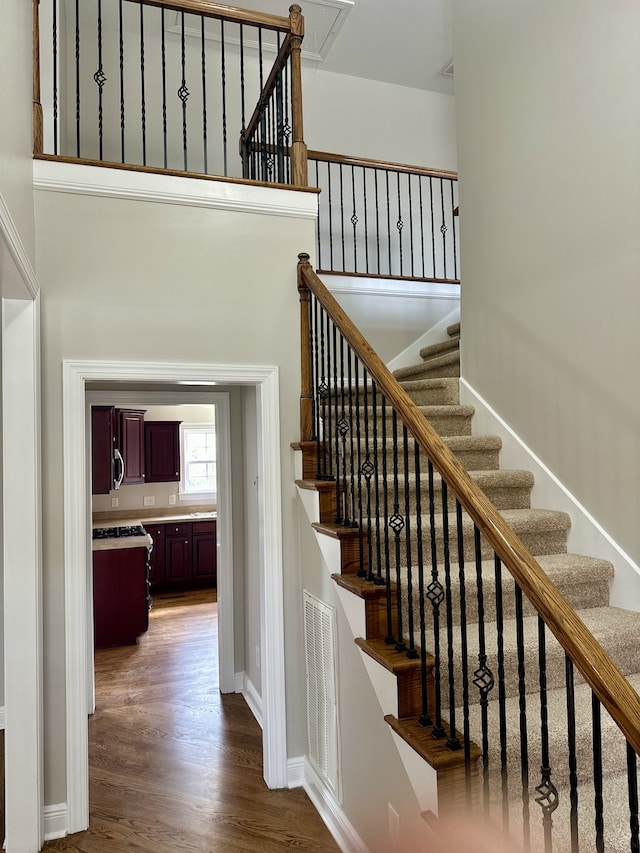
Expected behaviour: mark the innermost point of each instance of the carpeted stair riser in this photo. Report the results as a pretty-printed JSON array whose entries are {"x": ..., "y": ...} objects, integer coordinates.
[
  {"x": 445, "y": 420},
  {"x": 444, "y": 366},
  {"x": 453, "y": 330},
  {"x": 433, "y": 392},
  {"x": 584, "y": 582},
  {"x": 541, "y": 531},
  {"x": 475, "y": 453},
  {"x": 615, "y": 629},
  {"x": 435, "y": 350}
]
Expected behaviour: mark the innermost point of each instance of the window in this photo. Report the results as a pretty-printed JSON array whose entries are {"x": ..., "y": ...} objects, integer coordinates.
[{"x": 198, "y": 451}]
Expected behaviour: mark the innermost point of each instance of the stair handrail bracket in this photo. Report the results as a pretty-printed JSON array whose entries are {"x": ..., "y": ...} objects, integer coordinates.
[
  {"x": 167, "y": 86},
  {"x": 342, "y": 375}
]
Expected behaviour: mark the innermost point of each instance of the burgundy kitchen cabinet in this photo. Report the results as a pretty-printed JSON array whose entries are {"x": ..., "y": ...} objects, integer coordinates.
[
  {"x": 177, "y": 553},
  {"x": 162, "y": 451},
  {"x": 156, "y": 561},
  {"x": 204, "y": 552},
  {"x": 131, "y": 444},
  {"x": 102, "y": 447},
  {"x": 120, "y": 607}
]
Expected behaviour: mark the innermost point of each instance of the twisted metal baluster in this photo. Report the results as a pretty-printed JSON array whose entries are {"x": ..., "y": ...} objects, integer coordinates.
[
  {"x": 78, "y": 80},
  {"x": 379, "y": 578},
  {"x": 453, "y": 741},
  {"x": 546, "y": 791},
  {"x": 342, "y": 215},
  {"x": 400, "y": 222},
  {"x": 339, "y": 517},
  {"x": 55, "y": 77},
  {"x": 323, "y": 391},
  {"x": 100, "y": 79},
  {"x": 368, "y": 469},
  {"x": 354, "y": 218},
  {"x": 522, "y": 705},
  {"x": 412, "y": 654},
  {"x": 352, "y": 477},
  {"x": 223, "y": 73},
  {"x": 421, "y": 224},
  {"x": 464, "y": 654},
  {"x": 330, "y": 396},
  {"x": 453, "y": 229},
  {"x": 204, "y": 97},
  {"x": 573, "y": 763},
  {"x": 433, "y": 226},
  {"x": 501, "y": 693},
  {"x": 343, "y": 429},
  {"x": 362, "y": 571},
  {"x": 366, "y": 220},
  {"x": 435, "y": 594},
  {"x": 389, "y": 219},
  {"x": 443, "y": 228},
  {"x": 632, "y": 778},
  {"x": 482, "y": 677},
  {"x": 183, "y": 92},
  {"x": 122, "y": 111},
  {"x": 143, "y": 108},
  {"x": 163, "y": 51},
  {"x": 389, "y": 638},
  {"x": 375, "y": 174},
  {"x": 330, "y": 206},
  {"x": 413, "y": 271},
  {"x": 424, "y": 720},
  {"x": 596, "y": 722},
  {"x": 397, "y": 524},
  {"x": 243, "y": 125}
]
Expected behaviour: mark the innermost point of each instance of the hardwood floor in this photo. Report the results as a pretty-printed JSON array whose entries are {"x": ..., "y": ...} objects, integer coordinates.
[{"x": 174, "y": 764}]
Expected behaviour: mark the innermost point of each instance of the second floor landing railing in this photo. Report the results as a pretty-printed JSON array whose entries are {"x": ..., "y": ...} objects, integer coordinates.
[
  {"x": 508, "y": 677},
  {"x": 188, "y": 86},
  {"x": 380, "y": 219}
]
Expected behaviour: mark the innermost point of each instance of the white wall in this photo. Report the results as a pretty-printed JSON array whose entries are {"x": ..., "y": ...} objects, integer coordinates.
[
  {"x": 182, "y": 286},
  {"x": 548, "y": 137}
]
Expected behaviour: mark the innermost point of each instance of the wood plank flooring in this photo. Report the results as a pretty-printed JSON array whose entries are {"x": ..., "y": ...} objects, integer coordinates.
[{"x": 174, "y": 764}]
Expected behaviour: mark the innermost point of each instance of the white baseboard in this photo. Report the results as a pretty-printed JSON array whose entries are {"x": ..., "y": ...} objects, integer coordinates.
[
  {"x": 295, "y": 771},
  {"x": 331, "y": 813},
  {"x": 436, "y": 335},
  {"x": 586, "y": 535},
  {"x": 252, "y": 698},
  {"x": 2, "y": 718},
  {"x": 55, "y": 821}
]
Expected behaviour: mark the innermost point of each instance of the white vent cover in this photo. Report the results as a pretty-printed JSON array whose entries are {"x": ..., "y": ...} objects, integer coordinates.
[
  {"x": 322, "y": 710},
  {"x": 447, "y": 71}
]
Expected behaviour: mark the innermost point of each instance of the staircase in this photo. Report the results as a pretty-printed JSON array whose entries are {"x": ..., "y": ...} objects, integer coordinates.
[{"x": 525, "y": 686}]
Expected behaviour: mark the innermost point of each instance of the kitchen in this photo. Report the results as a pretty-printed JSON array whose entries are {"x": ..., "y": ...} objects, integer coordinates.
[{"x": 154, "y": 508}]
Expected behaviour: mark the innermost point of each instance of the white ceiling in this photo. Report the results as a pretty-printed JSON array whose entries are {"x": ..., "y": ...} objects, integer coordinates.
[{"x": 406, "y": 42}]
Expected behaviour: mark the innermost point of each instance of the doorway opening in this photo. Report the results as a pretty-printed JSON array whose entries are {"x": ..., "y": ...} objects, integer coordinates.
[{"x": 78, "y": 378}]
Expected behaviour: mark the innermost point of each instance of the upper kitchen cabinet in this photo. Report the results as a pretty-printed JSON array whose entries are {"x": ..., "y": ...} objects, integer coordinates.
[
  {"x": 102, "y": 449},
  {"x": 131, "y": 444},
  {"x": 162, "y": 451}
]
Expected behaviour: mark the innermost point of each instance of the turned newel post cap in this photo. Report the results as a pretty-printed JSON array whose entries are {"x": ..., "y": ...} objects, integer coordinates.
[
  {"x": 303, "y": 258},
  {"x": 295, "y": 9}
]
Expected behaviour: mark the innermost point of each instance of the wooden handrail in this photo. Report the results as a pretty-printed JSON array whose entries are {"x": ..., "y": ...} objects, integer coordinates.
[
  {"x": 346, "y": 160},
  {"x": 267, "y": 91},
  {"x": 603, "y": 676},
  {"x": 210, "y": 9}
]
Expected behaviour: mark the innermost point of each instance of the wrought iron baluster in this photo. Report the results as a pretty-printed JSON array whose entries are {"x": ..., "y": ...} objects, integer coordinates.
[
  {"x": 315, "y": 379},
  {"x": 453, "y": 742},
  {"x": 522, "y": 705},
  {"x": 502, "y": 699},
  {"x": 78, "y": 80},
  {"x": 336, "y": 403},
  {"x": 223, "y": 73},
  {"x": 163, "y": 51},
  {"x": 366, "y": 220},
  {"x": 262, "y": 108},
  {"x": 596, "y": 724},
  {"x": 397, "y": 524},
  {"x": 433, "y": 226},
  {"x": 632, "y": 778},
  {"x": 421, "y": 224},
  {"x": 400, "y": 222},
  {"x": 375, "y": 174},
  {"x": 435, "y": 594},
  {"x": 443, "y": 229},
  {"x": 464, "y": 653},
  {"x": 318, "y": 223},
  {"x": 573, "y": 763},
  {"x": 331, "y": 395},
  {"x": 100, "y": 79},
  {"x": 143, "y": 107},
  {"x": 352, "y": 477},
  {"x": 55, "y": 77},
  {"x": 287, "y": 124},
  {"x": 368, "y": 469},
  {"x": 342, "y": 214},
  {"x": 243, "y": 125},
  {"x": 411, "y": 651},
  {"x": 453, "y": 231},
  {"x": 389, "y": 638},
  {"x": 378, "y": 453},
  {"x": 546, "y": 791},
  {"x": 205, "y": 157},
  {"x": 183, "y": 92},
  {"x": 413, "y": 271},
  {"x": 281, "y": 176},
  {"x": 330, "y": 216},
  {"x": 354, "y": 218},
  {"x": 362, "y": 571},
  {"x": 388, "y": 218},
  {"x": 343, "y": 428},
  {"x": 424, "y": 719},
  {"x": 321, "y": 406},
  {"x": 482, "y": 677},
  {"x": 122, "y": 109}
]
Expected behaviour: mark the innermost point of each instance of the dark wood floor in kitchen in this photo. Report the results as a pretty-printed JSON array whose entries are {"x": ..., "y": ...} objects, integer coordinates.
[{"x": 174, "y": 765}]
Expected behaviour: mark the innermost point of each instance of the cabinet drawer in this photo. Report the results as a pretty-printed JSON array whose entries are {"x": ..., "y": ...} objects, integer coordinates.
[
  {"x": 204, "y": 526},
  {"x": 183, "y": 529}
]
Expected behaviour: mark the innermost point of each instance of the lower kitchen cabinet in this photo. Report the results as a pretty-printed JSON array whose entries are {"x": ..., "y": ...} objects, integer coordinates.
[
  {"x": 184, "y": 555},
  {"x": 120, "y": 605}
]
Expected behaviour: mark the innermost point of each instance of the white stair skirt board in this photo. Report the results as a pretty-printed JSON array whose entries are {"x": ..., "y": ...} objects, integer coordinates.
[
  {"x": 253, "y": 699},
  {"x": 435, "y": 335},
  {"x": 354, "y": 609},
  {"x": 586, "y": 536},
  {"x": 423, "y": 777},
  {"x": 77, "y": 557},
  {"x": 311, "y": 503},
  {"x": 331, "y": 813}
]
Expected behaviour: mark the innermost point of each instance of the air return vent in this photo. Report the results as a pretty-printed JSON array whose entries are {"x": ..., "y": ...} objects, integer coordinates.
[
  {"x": 447, "y": 71},
  {"x": 322, "y": 711}
]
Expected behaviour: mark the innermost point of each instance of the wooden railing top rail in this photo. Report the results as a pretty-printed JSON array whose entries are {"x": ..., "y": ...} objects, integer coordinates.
[
  {"x": 346, "y": 160},
  {"x": 605, "y": 679},
  {"x": 278, "y": 65},
  {"x": 219, "y": 10}
]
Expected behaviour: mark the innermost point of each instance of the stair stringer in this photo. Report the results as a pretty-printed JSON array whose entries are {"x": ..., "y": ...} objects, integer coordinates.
[
  {"x": 586, "y": 536},
  {"x": 422, "y": 777}
]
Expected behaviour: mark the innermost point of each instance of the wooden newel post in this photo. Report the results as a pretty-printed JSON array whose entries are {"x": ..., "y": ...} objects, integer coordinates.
[
  {"x": 306, "y": 391},
  {"x": 299, "y": 176},
  {"x": 38, "y": 142}
]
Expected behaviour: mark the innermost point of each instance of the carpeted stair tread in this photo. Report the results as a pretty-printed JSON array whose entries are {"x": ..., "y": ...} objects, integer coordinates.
[
  {"x": 452, "y": 344},
  {"x": 453, "y": 329},
  {"x": 446, "y": 420},
  {"x": 444, "y": 365},
  {"x": 506, "y": 488},
  {"x": 582, "y": 580},
  {"x": 442, "y": 391},
  {"x": 474, "y": 452}
]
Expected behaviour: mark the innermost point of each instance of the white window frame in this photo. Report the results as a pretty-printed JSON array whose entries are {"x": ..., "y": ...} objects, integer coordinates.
[{"x": 194, "y": 496}]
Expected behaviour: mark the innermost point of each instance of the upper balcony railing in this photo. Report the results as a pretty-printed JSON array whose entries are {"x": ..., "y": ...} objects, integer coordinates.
[{"x": 191, "y": 86}]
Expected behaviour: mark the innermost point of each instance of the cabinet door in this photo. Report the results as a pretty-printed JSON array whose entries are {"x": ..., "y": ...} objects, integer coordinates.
[
  {"x": 162, "y": 451},
  {"x": 131, "y": 442},
  {"x": 120, "y": 608},
  {"x": 102, "y": 444},
  {"x": 177, "y": 553},
  {"x": 156, "y": 563},
  {"x": 204, "y": 552}
]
